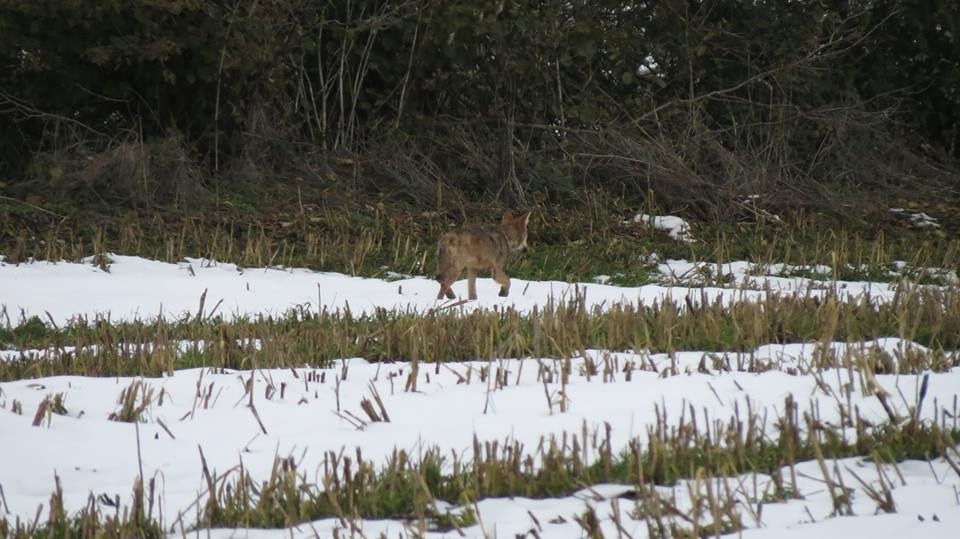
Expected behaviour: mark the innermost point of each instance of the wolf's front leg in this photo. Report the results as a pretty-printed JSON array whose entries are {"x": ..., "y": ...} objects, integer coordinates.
[
  {"x": 501, "y": 277},
  {"x": 446, "y": 277}
]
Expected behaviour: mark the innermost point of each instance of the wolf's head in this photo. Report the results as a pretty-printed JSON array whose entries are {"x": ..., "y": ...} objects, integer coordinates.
[{"x": 515, "y": 228}]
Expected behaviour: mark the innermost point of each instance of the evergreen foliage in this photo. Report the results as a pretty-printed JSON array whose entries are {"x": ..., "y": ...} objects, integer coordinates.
[{"x": 698, "y": 102}]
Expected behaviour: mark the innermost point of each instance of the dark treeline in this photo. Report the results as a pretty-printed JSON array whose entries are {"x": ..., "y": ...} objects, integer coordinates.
[{"x": 699, "y": 103}]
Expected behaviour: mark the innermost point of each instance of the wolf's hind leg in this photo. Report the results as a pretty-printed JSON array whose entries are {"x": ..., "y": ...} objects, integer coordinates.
[{"x": 472, "y": 283}]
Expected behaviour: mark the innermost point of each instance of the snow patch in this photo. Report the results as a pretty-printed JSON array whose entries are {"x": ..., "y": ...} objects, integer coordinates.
[{"x": 676, "y": 227}]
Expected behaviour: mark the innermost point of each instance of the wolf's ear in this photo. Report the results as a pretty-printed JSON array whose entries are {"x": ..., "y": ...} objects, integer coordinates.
[{"x": 507, "y": 216}]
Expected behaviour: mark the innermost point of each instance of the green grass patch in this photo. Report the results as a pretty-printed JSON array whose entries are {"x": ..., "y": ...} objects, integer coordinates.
[
  {"x": 379, "y": 238},
  {"x": 348, "y": 486},
  {"x": 927, "y": 316}
]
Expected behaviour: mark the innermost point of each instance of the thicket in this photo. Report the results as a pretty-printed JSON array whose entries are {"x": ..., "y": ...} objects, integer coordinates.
[{"x": 699, "y": 104}]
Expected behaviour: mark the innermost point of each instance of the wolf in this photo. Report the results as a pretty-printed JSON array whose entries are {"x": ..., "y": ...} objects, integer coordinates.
[{"x": 480, "y": 249}]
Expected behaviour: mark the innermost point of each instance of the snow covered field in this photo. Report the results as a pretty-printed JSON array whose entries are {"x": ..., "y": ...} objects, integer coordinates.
[
  {"x": 135, "y": 288},
  {"x": 303, "y": 413}
]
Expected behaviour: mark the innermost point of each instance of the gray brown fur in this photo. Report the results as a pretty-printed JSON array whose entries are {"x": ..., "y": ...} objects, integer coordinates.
[{"x": 480, "y": 249}]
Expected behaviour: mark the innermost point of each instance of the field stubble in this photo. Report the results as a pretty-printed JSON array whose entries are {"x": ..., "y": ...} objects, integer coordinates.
[{"x": 716, "y": 464}]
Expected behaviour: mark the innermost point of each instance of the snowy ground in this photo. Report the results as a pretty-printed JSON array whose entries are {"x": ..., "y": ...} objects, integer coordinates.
[
  {"x": 135, "y": 288},
  {"x": 91, "y": 454}
]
